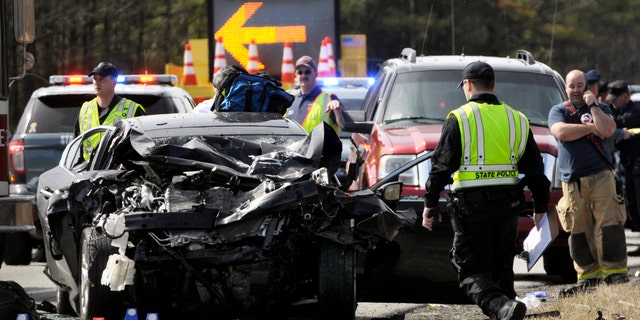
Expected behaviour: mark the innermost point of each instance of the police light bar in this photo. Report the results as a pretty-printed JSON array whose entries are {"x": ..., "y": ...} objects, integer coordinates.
[
  {"x": 345, "y": 82},
  {"x": 148, "y": 79},
  {"x": 70, "y": 80},
  {"x": 124, "y": 79}
]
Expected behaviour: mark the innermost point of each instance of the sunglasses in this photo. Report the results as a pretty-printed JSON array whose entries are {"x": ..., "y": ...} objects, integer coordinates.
[{"x": 300, "y": 72}]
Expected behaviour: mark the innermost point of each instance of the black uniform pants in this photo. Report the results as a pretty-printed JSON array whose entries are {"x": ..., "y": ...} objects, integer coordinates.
[
  {"x": 632, "y": 193},
  {"x": 485, "y": 242}
]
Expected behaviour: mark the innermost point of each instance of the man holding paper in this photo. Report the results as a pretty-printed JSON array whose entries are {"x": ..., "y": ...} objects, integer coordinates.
[{"x": 486, "y": 145}]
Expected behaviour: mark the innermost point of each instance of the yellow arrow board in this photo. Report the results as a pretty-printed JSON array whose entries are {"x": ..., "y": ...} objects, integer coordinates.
[{"x": 236, "y": 36}]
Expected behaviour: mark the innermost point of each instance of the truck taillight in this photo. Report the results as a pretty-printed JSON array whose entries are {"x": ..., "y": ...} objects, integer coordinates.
[{"x": 16, "y": 156}]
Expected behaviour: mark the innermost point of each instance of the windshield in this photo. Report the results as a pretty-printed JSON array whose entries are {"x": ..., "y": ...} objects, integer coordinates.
[{"x": 430, "y": 95}]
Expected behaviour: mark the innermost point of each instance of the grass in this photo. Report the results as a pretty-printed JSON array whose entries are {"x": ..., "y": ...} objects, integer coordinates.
[{"x": 615, "y": 302}]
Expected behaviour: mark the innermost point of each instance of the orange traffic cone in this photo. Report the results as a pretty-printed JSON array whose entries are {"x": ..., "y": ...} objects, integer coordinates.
[
  {"x": 331, "y": 62},
  {"x": 322, "y": 62},
  {"x": 252, "y": 65},
  {"x": 220, "y": 58},
  {"x": 288, "y": 71},
  {"x": 189, "y": 72}
]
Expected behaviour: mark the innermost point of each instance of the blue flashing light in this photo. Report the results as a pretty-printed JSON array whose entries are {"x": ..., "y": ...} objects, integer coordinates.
[
  {"x": 331, "y": 81},
  {"x": 346, "y": 82}
]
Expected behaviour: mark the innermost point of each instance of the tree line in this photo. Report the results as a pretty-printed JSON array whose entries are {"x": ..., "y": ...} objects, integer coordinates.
[{"x": 73, "y": 36}]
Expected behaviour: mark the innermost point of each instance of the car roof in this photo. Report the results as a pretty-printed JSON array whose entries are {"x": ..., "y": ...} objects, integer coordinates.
[{"x": 522, "y": 62}]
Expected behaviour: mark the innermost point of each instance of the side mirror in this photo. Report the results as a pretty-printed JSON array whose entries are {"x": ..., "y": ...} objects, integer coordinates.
[
  {"x": 25, "y": 21},
  {"x": 390, "y": 191}
]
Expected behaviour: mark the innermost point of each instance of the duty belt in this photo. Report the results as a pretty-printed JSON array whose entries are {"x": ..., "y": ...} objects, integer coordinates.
[{"x": 469, "y": 201}]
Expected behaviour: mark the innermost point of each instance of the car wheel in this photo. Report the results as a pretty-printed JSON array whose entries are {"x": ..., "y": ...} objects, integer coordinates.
[
  {"x": 557, "y": 261},
  {"x": 336, "y": 281},
  {"x": 17, "y": 248},
  {"x": 97, "y": 300}
]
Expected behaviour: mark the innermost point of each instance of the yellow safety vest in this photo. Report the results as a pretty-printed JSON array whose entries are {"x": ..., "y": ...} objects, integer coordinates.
[
  {"x": 316, "y": 115},
  {"x": 489, "y": 156},
  {"x": 89, "y": 117}
]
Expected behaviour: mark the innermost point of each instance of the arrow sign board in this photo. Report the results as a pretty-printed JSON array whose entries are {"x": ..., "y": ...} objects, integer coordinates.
[{"x": 271, "y": 23}]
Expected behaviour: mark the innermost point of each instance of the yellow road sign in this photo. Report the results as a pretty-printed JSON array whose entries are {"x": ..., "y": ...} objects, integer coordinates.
[{"x": 235, "y": 35}]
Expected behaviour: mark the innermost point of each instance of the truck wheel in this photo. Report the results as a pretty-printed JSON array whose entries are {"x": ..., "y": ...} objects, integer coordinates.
[
  {"x": 97, "y": 300},
  {"x": 557, "y": 261},
  {"x": 336, "y": 281},
  {"x": 17, "y": 248}
]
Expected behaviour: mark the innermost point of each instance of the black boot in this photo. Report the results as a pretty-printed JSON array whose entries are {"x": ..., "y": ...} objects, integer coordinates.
[
  {"x": 512, "y": 310},
  {"x": 503, "y": 308}
]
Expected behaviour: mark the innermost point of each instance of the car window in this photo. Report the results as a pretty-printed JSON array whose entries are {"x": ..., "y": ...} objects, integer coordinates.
[
  {"x": 424, "y": 94},
  {"x": 433, "y": 94},
  {"x": 370, "y": 103},
  {"x": 58, "y": 113},
  {"x": 533, "y": 94},
  {"x": 73, "y": 155},
  {"x": 51, "y": 114},
  {"x": 183, "y": 103},
  {"x": 153, "y": 104}
]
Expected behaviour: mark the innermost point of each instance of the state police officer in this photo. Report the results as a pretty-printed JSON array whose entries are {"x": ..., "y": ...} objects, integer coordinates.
[
  {"x": 486, "y": 144},
  {"x": 106, "y": 108}
]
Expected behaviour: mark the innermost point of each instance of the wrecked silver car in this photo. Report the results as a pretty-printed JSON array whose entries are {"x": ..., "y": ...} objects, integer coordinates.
[{"x": 220, "y": 215}]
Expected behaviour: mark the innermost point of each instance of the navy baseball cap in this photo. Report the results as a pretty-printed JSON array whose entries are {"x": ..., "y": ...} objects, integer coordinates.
[
  {"x": 593, "y": 76},
  {"x": 105, "y": 69}
]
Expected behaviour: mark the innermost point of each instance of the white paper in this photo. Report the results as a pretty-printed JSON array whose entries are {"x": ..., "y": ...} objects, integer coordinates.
[{"x": 537, "y": 241}]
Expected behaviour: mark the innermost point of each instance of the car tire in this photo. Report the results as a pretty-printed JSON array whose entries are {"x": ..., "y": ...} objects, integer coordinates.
[
  {"x": 557, "y": 261},
  {"x": 336, "y": 281},
  {"x": 63, "y": 305},
  {"x": 17, "y": 248},
  {"x": 97, "y": 300}
]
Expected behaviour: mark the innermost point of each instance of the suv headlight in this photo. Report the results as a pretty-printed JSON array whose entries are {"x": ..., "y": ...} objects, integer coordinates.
[{"x": 390, "y": 163}]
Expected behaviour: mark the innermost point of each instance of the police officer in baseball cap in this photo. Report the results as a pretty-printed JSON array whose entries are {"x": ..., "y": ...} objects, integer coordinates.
[{"x": 477, "y": 148}]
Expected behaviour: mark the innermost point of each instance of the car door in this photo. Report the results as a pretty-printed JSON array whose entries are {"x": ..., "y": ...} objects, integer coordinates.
[
  {"x": 60, "y": 249},
  {"x": 71, "y": 163}
]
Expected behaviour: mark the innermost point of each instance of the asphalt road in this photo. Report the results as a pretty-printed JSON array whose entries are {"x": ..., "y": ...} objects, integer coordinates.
[{"x": 41, "y": 288}]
